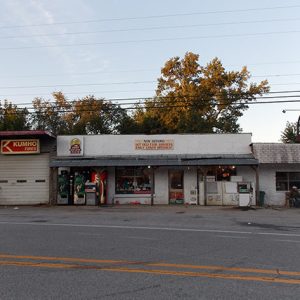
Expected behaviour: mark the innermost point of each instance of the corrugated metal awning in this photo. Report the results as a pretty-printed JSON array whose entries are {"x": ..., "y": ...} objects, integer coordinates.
[{"x": 237, "y": 160}]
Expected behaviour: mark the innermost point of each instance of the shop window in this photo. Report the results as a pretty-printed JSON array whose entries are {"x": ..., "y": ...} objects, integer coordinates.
[
  {"x": 286, "y": 180},
  {"x": 219, "y": 173},
  {"x": 134, "y": 180}
]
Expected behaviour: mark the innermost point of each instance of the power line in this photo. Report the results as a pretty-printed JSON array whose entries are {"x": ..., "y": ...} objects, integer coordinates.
[
  {"x": 178, "y": 99},
  {"x": 157, "y": 97},
  {"x": 150, "y": 70},
  {"x": 151, "y": 107},
  {"x": 153, "y": 16},
  {"x": 152, "y": 40},
  {"x": 148, "y": 28},
  {"x": 76, "y": 84}
]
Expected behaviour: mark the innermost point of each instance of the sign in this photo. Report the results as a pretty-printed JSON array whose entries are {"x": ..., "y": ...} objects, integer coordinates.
[
  {"x": 30, "y": 146},
  {"x": 154, "y": 144},
  {"x": 76, "y": 147}
]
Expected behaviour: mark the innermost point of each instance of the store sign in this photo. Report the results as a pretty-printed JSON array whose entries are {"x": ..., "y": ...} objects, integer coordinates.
[
  {"x": 20, "y": 146},
  {"x": 76, "y": 147},
  {"x": 154, "y": 144}
]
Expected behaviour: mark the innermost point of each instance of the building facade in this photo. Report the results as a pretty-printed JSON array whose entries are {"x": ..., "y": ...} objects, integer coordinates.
[
  {"x": 24, "y": 167},
  {"x": 279, "y": 170},
  {"x": 203, "y": 169}
]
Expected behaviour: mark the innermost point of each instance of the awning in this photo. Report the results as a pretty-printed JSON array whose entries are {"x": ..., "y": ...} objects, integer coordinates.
[{"x": 231, "y": 160}]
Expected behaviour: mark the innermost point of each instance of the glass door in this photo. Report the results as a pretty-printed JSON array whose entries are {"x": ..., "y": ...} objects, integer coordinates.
[{"x": 176, "y": 194}]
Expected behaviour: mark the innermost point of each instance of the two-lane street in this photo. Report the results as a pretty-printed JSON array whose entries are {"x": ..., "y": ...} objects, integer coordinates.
[{"x": 149, "y": 253}]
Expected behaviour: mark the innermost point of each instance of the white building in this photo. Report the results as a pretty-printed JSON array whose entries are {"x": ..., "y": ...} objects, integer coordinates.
[
  {"x": 279, "y": 170},
  {"x": 199, "y": 169}
]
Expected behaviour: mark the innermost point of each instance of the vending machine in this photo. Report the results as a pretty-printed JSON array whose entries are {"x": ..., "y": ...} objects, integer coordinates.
[
  {"x": 79, "y": 189},
  {"x": 63, "y": 189}
]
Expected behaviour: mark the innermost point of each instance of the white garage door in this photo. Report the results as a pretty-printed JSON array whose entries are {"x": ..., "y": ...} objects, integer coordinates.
[{"x": 24, "y": 179}]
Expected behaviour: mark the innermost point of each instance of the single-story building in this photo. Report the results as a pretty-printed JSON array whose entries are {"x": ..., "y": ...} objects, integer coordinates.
[
  {"x": 24, "y": 167},
  {"x": 201, "y": 169},
  {"x": 204, "y": 169},
  {"x": 279, "y": 170}
]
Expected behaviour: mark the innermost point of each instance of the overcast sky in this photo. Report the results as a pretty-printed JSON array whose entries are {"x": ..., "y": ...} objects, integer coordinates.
[{"x": 115, "y": 49}]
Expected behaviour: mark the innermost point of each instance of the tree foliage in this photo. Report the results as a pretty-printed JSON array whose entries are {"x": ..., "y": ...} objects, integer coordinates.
[
  {"x": 88, "y": 115},
  {"x": 289, "y": 134},
  {"x": 12, "y": 117},
  {"x": 201, "y": 99}
]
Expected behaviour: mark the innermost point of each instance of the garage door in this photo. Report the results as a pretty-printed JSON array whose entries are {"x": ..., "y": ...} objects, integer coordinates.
[{"x": 24, "y": 179}]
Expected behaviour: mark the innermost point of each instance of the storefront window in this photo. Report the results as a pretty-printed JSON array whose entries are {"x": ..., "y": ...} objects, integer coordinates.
[
  {"x": 133, "y": 180},
  {"x": 286, "y": 180},
  {"x": 219, "y": 173}
]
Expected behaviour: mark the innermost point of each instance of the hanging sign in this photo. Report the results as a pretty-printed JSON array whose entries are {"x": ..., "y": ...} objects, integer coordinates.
[{"x": 30, "y": 146}]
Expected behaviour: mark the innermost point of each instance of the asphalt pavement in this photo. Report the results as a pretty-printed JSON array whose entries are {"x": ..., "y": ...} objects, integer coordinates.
[{"x": 142, "y": 252}]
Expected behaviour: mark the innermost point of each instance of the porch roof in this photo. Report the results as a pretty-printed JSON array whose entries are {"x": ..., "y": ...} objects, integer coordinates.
[{"x": 161, "y": 160}]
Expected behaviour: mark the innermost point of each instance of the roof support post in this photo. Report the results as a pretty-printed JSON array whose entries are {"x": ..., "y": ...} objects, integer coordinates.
[{"x": 256, "y": 169}]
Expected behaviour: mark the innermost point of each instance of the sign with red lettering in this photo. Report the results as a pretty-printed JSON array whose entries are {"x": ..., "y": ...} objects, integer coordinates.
[{"x": 20, "y": 146}]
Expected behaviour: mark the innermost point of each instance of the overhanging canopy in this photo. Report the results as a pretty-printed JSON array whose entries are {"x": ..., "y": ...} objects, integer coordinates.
[{"x": 236, "y": 160}]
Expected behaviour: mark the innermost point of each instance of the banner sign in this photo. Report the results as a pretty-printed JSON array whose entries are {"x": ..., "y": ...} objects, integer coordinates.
[
  {"x": 31, "y": 146},
  {"x": 154, "y": 144}
]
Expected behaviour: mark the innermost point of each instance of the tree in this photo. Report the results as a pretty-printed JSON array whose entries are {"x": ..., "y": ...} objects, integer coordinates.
[
  {"x": 12, "y": 117},
  {"x": 96, "y": 116},
  {"x": 289, "y": 134},
  {"x": 51, "y": 116},
  {"x": 201, "y": 99},
  {"x": 88, "y": 115}
]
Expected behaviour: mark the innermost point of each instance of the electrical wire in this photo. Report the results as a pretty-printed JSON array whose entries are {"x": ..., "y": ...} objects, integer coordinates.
[
  {"x": 152, "y": 40},
  {"x": 153, "y": 16},
  {"x": 148, "y": 28}
]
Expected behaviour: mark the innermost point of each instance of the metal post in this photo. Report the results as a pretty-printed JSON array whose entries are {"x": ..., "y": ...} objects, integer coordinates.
[{"x": 152, "y": 186}]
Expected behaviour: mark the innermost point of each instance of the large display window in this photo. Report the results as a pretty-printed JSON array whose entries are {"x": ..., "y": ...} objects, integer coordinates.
[{"x": 133, "y": 180}]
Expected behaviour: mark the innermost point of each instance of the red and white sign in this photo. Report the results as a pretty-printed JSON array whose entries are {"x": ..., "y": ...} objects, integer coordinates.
[{"x": 20, "y": 146}]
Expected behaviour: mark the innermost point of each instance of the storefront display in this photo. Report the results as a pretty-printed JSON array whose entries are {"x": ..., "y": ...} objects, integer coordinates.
[{"x": 133, "y": 180}]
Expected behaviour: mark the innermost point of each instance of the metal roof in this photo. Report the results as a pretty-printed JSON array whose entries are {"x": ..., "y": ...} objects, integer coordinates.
[
  {"x": 277, "y": 153},
  {"x": 210, "y": 160},
  {"x": 20, "y": 133}
]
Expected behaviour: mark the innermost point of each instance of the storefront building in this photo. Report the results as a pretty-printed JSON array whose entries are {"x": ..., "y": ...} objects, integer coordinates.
[
  {"x": 24, "y": 167},
  {"x": 203, "y": 169},
  {"x": 279, "y": 170}
]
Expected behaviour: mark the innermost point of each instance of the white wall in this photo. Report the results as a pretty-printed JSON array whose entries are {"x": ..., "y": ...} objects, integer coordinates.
[
  {"x": 190, "y": 182},
  {"x": 268, "y": 183},
  {"x": 161, "y": 187},
  {"x": 106, "y": 145}
]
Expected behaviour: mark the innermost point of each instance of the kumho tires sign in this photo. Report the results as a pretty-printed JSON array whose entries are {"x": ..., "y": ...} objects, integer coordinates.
[{"x": 31, "y": 146}]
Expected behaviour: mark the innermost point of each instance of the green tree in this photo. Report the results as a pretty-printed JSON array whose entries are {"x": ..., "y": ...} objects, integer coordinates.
[
  {"x": 51, "y": 116},
  {"x": 201, "y": 99},
  {"x": 89, "y": 115},
  {"x": 12, "y": 117},
  {"x": 289, "y": 134}
]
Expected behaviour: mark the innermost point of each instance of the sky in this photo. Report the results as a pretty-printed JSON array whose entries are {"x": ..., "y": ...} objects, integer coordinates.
[{"x": 115, "y": 49}]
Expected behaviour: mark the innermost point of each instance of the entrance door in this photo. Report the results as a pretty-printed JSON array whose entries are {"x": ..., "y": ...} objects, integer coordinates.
[{"x": 176, "y": 195}]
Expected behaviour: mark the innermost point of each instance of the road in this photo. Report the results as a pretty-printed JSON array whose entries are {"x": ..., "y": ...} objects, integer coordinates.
[{"x": 149, "y": 253}]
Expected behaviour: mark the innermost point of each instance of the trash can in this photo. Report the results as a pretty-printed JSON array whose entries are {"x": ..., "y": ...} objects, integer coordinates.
[{"x": 261, "y": 201}]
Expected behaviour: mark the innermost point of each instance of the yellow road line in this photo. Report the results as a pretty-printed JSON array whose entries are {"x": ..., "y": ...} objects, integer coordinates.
[
  {"x": 188, "y": 266},
  {"x": 49, "y": 258},
  {"x": 154, "y": 272}
]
